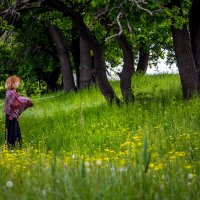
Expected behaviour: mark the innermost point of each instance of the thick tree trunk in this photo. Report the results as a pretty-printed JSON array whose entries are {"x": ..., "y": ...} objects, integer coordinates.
[
  {"x": 85, "y": 65},
  {"x": 142, "y": 62},
  {"x": 194, "y": 22},
  {"x": 184, "y": 56},
  {"x": 185, "y": 61},
  {"x": 63, "y": 54},
  {"x": 128, "y": 69},
  {"x": 75, "y": 50}
]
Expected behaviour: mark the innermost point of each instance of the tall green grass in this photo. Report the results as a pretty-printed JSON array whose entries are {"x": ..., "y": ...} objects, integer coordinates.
[{"x": 76, "y": 146}]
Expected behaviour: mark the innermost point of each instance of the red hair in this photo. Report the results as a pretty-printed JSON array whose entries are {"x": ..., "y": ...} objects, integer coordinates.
[{"x": 12, "y": 83}]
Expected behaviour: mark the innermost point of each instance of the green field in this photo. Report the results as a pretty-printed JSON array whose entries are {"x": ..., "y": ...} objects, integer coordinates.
[{"x": 76, "y": 146}]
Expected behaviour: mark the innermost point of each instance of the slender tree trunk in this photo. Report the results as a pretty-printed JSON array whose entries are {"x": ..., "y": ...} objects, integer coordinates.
[
  {"x": 194, "y": 22},
  {"x": 101, "y": 76},
  {"x": 128, "y": 69},
  {"x": 75, "y": 47},
  {"x": 63, "y": 54},
  {"x": 85, "y": 65},
  {"x": 143, "y": 62},
  {"x": 185, "y": 61}
]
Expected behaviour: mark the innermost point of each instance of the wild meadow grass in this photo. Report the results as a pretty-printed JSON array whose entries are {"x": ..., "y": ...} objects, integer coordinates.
[{"x": 76, "y": 146}]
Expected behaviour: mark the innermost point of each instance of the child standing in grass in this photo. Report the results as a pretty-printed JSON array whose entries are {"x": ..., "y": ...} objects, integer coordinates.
[{"x": 14, "y": 106}]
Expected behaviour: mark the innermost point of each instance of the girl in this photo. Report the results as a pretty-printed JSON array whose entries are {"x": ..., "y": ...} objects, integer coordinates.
[{"x": 14, "y": 106}]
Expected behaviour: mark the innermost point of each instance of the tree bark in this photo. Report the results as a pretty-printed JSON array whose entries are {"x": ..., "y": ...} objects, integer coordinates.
[
  {"x": 63, "y": 54},
  {"x": 128, "y": 69},
  {"x": 185, "y": 61},
  {"x": 184, "y": 56},
  {"x": 194, "y": 24},
  {"x": 101, "y": 77},
  {"x": 85, "y": 65},
  {"x": 142, "y": 62}
]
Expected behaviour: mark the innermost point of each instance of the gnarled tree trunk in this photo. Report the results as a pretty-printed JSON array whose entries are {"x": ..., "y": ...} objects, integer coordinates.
[
  {"x": 63, "y": 54},
  {"x": 128, "y": 69}
]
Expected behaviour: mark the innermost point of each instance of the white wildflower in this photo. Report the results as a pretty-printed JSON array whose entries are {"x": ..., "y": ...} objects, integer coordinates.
[
  {"x": 44, "y": 192},
  {"x": 87, "y": 164},
  {"x": 123, "y": 169},
  {"x": 190, "y": 176},
  {"x": 163, "y": 177},
  {"x": 74, "y": 156},
  {"x": 98, "y": 162},
  {"x": 9, "y": 184},
  {"x": 190, "y": 149},
  {"x": 112, "y": 169}
]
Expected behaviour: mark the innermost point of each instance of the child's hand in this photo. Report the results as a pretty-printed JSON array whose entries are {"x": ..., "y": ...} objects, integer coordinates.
[
  {"x": 11, "y": 117},
  {"x": 30, "y": 103}
]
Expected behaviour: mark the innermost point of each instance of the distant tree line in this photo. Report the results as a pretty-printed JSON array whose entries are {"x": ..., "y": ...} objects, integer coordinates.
[{"x": 50, "y": 40}]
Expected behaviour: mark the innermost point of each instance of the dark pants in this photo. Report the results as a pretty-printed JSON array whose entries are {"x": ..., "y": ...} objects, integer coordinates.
[{"x": 13, "y": 132}]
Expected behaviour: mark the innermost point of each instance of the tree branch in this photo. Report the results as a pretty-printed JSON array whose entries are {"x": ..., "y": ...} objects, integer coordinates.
[
  {"x": 120, "y": 27},
  {"x": 137, "y": 2},
  {"x": 19, "y": 6}
]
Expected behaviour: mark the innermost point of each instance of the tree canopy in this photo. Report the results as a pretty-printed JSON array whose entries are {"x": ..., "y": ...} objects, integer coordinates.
[{"x": 114, "y": 31}]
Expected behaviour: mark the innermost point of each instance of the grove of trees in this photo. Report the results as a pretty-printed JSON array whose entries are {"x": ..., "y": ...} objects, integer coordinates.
[{"x": 48, "y": 41}]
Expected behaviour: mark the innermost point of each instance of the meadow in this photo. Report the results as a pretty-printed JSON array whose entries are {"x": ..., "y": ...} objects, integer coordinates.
[{"x": 76, "y": 146}]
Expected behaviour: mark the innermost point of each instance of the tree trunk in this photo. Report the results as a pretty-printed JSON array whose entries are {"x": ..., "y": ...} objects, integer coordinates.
[
  {"x": 63, "y": 54},
  {"x": 128, "y": 69},
  {"x": 143, "y": 61},
  {"x": 75, "y": 50},
  {"x": 184, "y": 56},
  {"x": 185, "y": 61},
  {"x": 101, "y": 76},
  {"x": 99, "y": 63},
  {"x": 194, "y": 22},
  {"x": 85, "y": 65}
]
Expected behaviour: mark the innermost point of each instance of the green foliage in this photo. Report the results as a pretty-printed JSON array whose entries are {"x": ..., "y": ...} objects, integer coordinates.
[
  {"x": 33, "y": 87},
  {"x": 2, "y": 92},
  {"x": 98, "y": 3},
  {"x": 4, "y": 26}
]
